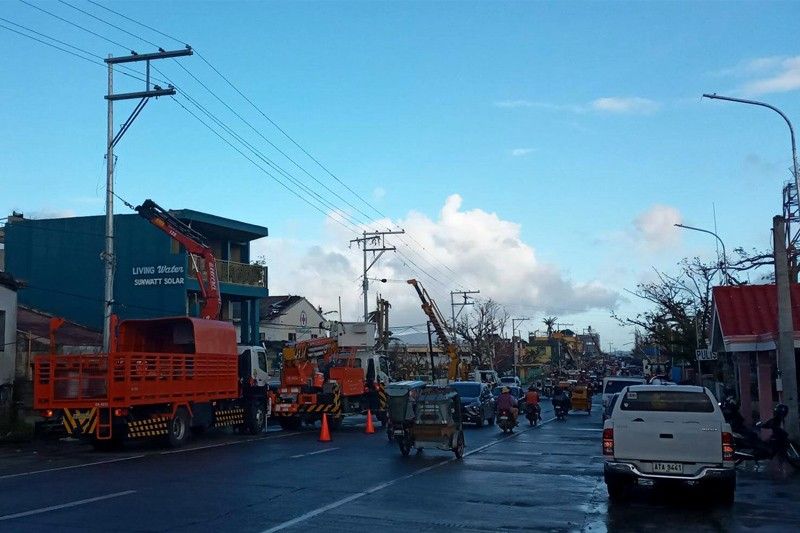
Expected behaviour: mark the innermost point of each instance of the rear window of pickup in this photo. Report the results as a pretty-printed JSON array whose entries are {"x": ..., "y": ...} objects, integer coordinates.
[{"x": 666, "y": 400}]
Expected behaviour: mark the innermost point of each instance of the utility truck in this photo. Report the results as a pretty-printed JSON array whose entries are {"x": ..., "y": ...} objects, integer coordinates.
[
  {"x": 162, "y": 377},
  {"x": 340, "y": 375}
]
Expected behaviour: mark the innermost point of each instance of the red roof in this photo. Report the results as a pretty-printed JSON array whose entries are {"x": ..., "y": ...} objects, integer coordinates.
[{"x": 749, "y": 313}]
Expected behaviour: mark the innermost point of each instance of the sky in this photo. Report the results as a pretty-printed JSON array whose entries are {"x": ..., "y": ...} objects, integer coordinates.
[{"x": 537, "y": 152}]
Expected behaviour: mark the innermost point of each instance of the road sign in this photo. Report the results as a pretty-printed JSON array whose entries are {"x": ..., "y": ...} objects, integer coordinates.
[{"x": 705, "y": 355}]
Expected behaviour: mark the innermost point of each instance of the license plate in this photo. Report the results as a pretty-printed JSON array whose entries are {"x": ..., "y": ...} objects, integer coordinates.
[
  {"x": 398, "y": 431},
  {"x": 668, "y": 468}
]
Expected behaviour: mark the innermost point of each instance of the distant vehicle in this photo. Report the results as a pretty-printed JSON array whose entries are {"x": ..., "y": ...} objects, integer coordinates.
[
  {"x": 613, "y": 385},
  {"x": 659, "y": 380},
  {"x": 610, "y": 407},
  {"x": 485, "y": 376},
  {"x": 668, "y": 435},
  {"x": 477, "y": 402},
  {"x": 510, "y": 380}
]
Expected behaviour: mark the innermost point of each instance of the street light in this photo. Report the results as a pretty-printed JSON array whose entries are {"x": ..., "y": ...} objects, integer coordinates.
[
  {"x": 715, "y": 96},
  {"x": 724, "y": 254}
]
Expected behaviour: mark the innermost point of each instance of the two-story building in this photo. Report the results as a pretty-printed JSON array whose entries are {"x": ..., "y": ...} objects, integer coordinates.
[
  {"x": 59, "y": 261},
  {"x": 8, "y": 335},
  {"x": 289, "y": 319}
]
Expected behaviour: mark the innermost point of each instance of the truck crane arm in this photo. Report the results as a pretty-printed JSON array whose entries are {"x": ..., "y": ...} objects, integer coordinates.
[
  {"x": 196, "y": 246},
  {"x": 438, "y": 322}
]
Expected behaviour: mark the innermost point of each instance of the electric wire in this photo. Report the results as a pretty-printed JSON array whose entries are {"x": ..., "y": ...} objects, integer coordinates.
[
  {"x": 335, "y": 209},
  {"x": 76, "y": 8},
  {"x": 284, "y": 133}
]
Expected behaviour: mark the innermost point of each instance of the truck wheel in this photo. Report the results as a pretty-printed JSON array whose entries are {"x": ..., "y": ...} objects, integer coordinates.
[
  {"x": 405, "y": 446},
  {"x": 178, "y": 429},
  {"x": 256, "y": 418},
  {"x": 459, "y": 449},
  {"x": 619, "y": 490}
]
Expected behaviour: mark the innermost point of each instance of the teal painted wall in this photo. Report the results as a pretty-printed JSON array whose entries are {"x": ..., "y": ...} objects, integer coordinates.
[{"x": 60, "y": 261}]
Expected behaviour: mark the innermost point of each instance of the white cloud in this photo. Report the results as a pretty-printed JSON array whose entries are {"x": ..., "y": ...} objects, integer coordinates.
[
  {"x": 765, "y": 75},
  {"x": 520, "y": 152},
  {"x": 633, "y": 104},
  {"x": 655, "y": 228},
  {"x": 478, "y": 249},
  {"x": 609, "y": 104}
]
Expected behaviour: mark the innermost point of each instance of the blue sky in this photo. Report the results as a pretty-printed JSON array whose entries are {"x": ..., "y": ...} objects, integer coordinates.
[{"x": 568, "y": 122}]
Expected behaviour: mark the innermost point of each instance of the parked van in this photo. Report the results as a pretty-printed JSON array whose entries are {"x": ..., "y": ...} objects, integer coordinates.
[{"x": 615, "y": 384}]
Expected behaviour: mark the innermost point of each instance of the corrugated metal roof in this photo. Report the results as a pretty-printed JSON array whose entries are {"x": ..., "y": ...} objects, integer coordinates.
[{"x": 749, "y": 313}]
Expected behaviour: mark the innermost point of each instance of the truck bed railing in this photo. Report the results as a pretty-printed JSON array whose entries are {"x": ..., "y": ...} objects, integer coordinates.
[{"x": 132, "y": 378}]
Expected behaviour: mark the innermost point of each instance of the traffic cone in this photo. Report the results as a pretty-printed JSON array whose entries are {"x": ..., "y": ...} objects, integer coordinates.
[
  {"x": 370, "y": 428},
  {"x": 324, "y": 432}
]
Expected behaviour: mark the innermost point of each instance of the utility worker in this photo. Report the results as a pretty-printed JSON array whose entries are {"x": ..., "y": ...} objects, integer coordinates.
[{"x": 506, "y": 402}]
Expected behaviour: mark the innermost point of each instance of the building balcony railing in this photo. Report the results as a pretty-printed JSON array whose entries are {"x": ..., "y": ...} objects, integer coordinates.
[{"x": 236, "y": 273}]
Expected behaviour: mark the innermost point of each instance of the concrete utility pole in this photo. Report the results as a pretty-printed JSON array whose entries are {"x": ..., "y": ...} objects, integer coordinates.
[
  {"x": 787, "y": 368},
  {"x": 112, "y": 140},
  {"x": 513, "y": 339},
  {"x": 375, "y": 242},
  {"x": 454, "y": 304},
  {"x": 430, "y": 353}
]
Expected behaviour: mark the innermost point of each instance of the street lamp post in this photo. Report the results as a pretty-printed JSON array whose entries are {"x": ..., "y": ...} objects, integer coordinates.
[
  {"x": 724, "y": 262},
  {"x": 715, "y": 96}
]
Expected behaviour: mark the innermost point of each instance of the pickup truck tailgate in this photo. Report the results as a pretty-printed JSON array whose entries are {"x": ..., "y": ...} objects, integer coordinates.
[{"x": 661, "y": 437}]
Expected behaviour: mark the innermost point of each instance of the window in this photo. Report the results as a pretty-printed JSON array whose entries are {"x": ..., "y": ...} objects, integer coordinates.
[
  {"x": 292, "y": 337},
  {"x": 666, "y": 400},
  {"x": 262, "y": 361},
  {"x": 2, "y": 331}
]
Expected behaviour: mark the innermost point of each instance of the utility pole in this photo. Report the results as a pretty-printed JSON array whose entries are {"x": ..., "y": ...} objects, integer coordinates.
[
  {"x": 112, "y": 140},
  {"x": 454, "y": 304},
  {"x": 375, "y": 242},
  {"x": 514, "y": 339},
  {"x": 787, "y": 366},
  {"x": 430, "y": 352}
]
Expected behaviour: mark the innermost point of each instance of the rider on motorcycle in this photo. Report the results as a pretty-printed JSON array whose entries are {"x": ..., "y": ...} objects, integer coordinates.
[
  {"x": 532, "y": 399},
  {"x": 560, "y": 397},
  {"x": 506, "y": 402}
]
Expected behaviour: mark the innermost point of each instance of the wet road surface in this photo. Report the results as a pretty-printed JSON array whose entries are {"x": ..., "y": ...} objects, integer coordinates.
[{"x": 538, "y": 479}]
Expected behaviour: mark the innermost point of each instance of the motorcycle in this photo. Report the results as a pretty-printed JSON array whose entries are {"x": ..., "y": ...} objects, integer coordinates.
[
  {"x": 560, "y": 412},
  {"x": 748, "y": 445},
  {"x": 533, "y": 414},
  {"x": 506, "y": 422}
]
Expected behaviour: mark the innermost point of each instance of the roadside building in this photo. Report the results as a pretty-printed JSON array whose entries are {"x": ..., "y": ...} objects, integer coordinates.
[
  {"x": 8, "y": 337},
  {"x": 59, "y": 262},
  {"x": 289, "y": 319},
  {"x": 744, "y": 336}
]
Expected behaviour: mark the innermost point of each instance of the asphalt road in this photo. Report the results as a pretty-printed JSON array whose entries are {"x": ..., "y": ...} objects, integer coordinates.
[{"x": 541, "y": 479}]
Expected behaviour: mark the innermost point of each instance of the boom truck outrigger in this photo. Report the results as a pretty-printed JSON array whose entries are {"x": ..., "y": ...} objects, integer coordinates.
[
  {"x": 162, "y": 377},
  {"x": 340, "y": 375},
  {"x": 455, "y": 366}
]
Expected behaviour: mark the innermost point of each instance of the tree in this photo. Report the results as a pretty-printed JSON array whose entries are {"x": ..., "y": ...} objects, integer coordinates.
[
  {"x": 482, "y": 330},
  {"x": 550, "y": 322}
]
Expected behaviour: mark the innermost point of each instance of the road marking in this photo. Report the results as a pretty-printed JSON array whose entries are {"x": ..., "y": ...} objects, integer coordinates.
[
  {"x": 381, "y": 486},
  {"x": 66, "y": 505},
  {"x": 21, "y": 474},
  {"x": 586, "y": 429},
  {"x": 326, "y": 450},
  {"x": 229, "y": 443},
  {"x": 120, "y": 459}
]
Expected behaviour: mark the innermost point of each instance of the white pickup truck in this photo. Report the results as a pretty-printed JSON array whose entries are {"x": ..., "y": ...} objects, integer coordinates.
[{"x": 668, "y": 434}]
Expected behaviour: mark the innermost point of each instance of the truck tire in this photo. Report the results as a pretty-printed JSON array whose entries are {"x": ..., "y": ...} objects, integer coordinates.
[
  {"x": 178, "y": 428},
  {"x": 256, "y": 418}
]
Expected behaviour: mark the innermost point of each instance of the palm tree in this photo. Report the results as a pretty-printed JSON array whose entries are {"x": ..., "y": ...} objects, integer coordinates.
[{"x": 550, "y": 321}]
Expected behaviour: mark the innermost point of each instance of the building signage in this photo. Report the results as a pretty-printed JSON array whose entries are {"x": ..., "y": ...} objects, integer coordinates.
[
  {"x": 303, "y": 318},
  {"x": 706, "y": 355},
  {"x": 157, "y": 275}
]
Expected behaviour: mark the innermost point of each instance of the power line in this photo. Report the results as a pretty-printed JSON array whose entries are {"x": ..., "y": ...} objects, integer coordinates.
[
  {"x": 278, "y": 127},
  {"x": 241, "y": 140},
  {"x": 151, "y": 43},
  {"x": 115, "y": 43}
]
